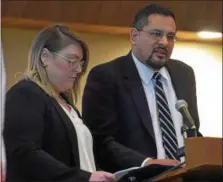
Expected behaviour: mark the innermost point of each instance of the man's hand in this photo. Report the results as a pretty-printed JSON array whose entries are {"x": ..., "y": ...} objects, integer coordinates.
[
  {"x": 101, "y": 176},
  {"x": 165, "y": 162}
]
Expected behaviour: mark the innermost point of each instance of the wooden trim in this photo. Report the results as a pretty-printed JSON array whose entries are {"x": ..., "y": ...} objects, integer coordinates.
[{"x": 10, "y": 22}]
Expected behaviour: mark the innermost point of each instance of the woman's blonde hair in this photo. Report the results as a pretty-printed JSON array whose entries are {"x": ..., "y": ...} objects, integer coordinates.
[{"x": 54, "y": 38}]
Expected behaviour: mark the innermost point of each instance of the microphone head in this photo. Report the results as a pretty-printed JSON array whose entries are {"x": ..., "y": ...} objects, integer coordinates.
[{"x": 180, "y": 103}]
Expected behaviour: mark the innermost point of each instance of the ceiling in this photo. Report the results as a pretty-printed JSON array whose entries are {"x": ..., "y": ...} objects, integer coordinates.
[{"x": 190, "y": 15}]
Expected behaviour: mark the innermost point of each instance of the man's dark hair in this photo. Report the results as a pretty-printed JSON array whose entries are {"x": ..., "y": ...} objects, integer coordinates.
[{"x": 141, "y": 17}]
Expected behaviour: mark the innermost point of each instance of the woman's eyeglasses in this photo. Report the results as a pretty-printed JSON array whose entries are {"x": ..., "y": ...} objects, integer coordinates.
[{"x": 71, "y": 61}]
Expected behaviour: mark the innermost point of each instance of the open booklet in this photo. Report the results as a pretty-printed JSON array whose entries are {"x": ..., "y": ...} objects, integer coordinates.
[
  {"x": 142, "y": 173},
  {"x": 120, "y": 174}
]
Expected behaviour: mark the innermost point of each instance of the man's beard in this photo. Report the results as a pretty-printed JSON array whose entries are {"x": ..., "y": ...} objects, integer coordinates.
[{"x": 155, "y": 64}]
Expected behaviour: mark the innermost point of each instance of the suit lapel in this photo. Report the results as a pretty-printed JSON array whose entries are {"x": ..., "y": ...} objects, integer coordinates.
[
  {"x": 178, "y": 82},
  {"x": 133, "y": 83},
  {"x": 70, "y": 129}
]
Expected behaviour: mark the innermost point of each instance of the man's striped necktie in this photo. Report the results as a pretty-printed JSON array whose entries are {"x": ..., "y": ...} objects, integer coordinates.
[{"x": 164, "y": 116}]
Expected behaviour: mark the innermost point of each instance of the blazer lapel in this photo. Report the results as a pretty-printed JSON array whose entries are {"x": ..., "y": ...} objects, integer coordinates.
[
  {"x": 70, "y": 130},
  {"x": 177, "y": 80},
  {"x": 133, "y": 83}
]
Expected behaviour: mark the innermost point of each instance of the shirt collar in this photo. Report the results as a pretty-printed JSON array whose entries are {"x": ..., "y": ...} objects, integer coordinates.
[{"x": 146, "y": 73}]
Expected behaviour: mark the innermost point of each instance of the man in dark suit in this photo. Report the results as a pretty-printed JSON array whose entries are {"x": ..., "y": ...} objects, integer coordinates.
[{"x": 130, "y": 100}]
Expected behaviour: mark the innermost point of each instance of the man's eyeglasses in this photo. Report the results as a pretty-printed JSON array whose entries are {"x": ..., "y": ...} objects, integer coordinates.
[
  {"x": 71, "y": 61},
  {"x": 158, "y": 35}
]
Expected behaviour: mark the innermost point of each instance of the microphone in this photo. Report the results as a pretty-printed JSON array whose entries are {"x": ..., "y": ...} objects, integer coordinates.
[
  {"x": 188, "y": 127},
  {"x": 182, "y": 107}
]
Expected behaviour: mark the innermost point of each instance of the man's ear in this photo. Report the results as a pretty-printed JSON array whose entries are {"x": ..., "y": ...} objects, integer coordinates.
[
  {"x": 45, "y": 57},
  {"x": 134, "y": 35}
]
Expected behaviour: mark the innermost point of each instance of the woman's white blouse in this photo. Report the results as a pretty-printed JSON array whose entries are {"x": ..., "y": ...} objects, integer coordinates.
[{"x": 85, "y": 141}]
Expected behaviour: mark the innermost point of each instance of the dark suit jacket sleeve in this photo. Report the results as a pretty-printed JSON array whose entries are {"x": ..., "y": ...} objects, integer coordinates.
[
  {"x": 193, "y": 106},
  {"x": 100, "y": 115},
  {"x": 23, "y": 137}
]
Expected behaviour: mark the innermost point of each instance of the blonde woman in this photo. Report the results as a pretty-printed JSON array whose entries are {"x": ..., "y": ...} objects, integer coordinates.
[{"x": 44, "y": 135}]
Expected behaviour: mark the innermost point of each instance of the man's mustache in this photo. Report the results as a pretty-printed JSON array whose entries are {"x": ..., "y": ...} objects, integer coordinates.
[{"x": 164, "y": 49}]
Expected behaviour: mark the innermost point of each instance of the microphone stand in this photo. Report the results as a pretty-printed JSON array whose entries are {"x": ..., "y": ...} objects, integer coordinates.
[
  {"x": 194, "y": 131},
  {"x": 186, "y": 131},
  {"x": 180, "y": 151},
  {"x": 191, "y": 132}
]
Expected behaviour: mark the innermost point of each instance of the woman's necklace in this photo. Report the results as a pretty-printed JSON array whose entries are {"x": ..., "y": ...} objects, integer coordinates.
[{"x": 63, "y": 103}]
